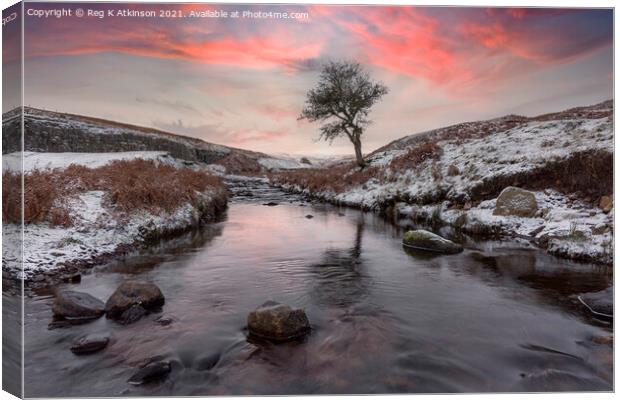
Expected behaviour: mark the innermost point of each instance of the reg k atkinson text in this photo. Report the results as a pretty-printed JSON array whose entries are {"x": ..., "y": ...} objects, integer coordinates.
[{"x": 161, "y": 13}]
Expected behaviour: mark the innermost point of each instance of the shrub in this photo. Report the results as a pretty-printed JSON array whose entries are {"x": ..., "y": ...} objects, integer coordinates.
[
  {"x": 453, "y": 170},
  {"x": 428, "y": 150},
  {"x": 129, "y": 185},
  {"x": 42, "y": 199},
  {"x": 337, "y": 178}
]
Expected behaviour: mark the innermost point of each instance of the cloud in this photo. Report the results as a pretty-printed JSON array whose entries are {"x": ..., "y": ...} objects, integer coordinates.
[
  {"x": 444, "y": 46},
  {"x": 543, "y": 37},
  {"x": 175, "y": 105},
  {"x": 208, "y": 41},
  {"x": 221, "y": 134}
]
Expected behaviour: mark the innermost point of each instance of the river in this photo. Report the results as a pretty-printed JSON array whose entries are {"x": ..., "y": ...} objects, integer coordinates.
[{"x": 497, "y": 317}]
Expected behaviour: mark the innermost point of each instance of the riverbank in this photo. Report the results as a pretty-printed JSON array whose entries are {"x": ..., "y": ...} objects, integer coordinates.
[
  {"x": 496, "y": 316},
  {"x": 95, "y": 207},
  {"x": 454, "y": 176}
]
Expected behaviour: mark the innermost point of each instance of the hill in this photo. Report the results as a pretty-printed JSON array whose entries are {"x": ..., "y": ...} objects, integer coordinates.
[
  {"x": 53, "y": 132},
  {"x": 453, "y": 176}
]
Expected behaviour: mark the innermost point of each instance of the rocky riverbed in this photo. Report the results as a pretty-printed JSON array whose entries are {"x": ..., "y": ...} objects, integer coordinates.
[{"x": 377, "y": 317}]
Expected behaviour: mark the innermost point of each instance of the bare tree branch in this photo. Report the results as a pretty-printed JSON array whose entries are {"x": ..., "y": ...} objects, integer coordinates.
[{"x": 342, "y": 100}]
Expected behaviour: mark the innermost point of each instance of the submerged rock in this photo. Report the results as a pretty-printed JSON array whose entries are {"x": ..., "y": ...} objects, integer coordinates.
[
  {"x": 601, "y": 302},
  {"x": 517, "y": 202},
  {"x": 309, "y": 216},
  {"x": 77, "y": 305},
  {"x": 271, "y": 204},
  {"x": 553, "y": 380},
  {"x": 279, "y": 322},
  {"x": 425, "y": 240},
  {"x": 152, "y": 371},
  {"x": 129, "y": 294},
  {"x": 90, "y": 343},
  {"x": 164, "y": 320}
]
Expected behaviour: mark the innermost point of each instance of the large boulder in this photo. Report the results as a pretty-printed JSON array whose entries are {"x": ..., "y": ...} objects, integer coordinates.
[
  {"x": 517, "y": 202},
  {"x": 153, "y": 371},
  {"x": 425, "y": 240},
  {"x": 77, "y": 305},
  {"x": 601, "y": 302},
  {"x": 129, "y": 294},
  {"x": 90, "y": 343},
  {"x": 132, "y": 314},
  {"x": 278, "y": 322}
]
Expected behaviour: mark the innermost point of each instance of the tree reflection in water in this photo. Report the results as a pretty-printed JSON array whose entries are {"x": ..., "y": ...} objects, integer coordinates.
[{"x": 340, "y": 279}]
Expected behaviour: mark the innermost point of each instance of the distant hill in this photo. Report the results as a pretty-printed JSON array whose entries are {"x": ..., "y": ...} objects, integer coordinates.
[{"x": 53, "y": 132}]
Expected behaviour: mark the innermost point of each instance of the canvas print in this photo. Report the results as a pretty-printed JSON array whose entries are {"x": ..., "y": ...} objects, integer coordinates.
[{"x": 252, "y": 199}]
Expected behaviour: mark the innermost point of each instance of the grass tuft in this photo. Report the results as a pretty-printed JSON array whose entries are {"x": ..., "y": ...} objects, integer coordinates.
[{"x": 129, "y": 185}]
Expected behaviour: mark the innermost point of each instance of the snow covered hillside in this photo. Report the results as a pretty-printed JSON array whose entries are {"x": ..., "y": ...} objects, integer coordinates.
[
  {"x": 81, "y": 209},
  {"x": 458, "y": 172}
]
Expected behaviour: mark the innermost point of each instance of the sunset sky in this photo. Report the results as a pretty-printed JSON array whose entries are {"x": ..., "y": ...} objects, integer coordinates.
[{"x": 242, "y": 82}]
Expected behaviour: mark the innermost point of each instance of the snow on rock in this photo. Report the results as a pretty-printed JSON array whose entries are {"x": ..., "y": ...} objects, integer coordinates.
[
  {"x": 571, "y": 229},
  {"x": 507, "y": 148}
]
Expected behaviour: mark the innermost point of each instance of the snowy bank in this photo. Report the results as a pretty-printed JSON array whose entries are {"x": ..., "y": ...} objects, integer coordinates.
[
  {"x": 454, "y": 175},
  {"x": 99, "y": 229},
  {"x": 34, "y": 160}
]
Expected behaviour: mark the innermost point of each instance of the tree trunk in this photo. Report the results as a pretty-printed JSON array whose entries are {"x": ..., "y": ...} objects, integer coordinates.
[{"x": 359, "y": 157}]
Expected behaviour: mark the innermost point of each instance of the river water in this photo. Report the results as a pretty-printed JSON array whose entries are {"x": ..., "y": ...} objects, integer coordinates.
[{"x": 497, "y": 317}]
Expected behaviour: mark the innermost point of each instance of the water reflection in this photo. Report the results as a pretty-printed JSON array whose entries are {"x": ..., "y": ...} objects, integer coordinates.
[
  {"x": 489, "y": 319},
  {"x": 339, "y": 278}
]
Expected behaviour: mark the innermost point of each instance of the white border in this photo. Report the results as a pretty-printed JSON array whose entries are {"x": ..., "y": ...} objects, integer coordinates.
[{"x": 479, "y": 3}]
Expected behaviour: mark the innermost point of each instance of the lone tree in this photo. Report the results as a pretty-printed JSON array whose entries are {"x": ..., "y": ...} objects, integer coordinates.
[{"x": 342, "y": 100}]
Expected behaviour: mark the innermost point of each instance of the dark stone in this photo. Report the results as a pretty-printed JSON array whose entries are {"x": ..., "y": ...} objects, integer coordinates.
[
  {"x": 90, "y": 343},
  {"x": 77, "y": 305},
  {"x": 428, "y": 241},
  {"x": 309, "y": 216},
  {"x": 278, "y": 322},
  {"x": 132, "y": 314},
  {"x": 73, "y": 278},
  {"x": 601, "y": 301},
  {"x": 128, "y": 294},
  {"x": 271, "y": 204},
  {"x": 153, "y": 371}
]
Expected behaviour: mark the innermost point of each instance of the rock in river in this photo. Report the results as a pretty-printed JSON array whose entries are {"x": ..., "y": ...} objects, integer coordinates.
[
  {"x": 425, "y": 240},
  {"x": 278, "y": 322},
  {"x": 600, "y": 303},
  {"x": 517, "y": 202},
  {"x": 77, "y": 305},
  {"x": 132, "y": 314},
  {"x": 165, "y": 320},
  {"x": 90, "y": 343},
  {"x": 145, "y": 295},
  {"x": 152, "y": 371}
]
